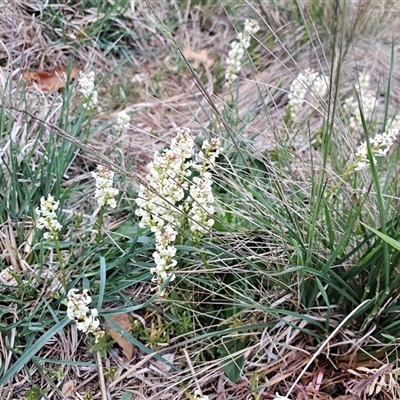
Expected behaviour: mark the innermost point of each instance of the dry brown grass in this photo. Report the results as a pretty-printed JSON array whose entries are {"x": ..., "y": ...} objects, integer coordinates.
[{"x": 28, "y": 41}]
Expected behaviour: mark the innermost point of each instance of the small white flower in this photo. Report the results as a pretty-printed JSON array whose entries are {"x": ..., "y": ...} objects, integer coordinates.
[
  {"x": 86, "y": 319},
  {"x": 77, "y": 307},
  {"x": 199, "y": 396},
  {"x": 307, "y": 81},
  {"x": 236, "y": 53},
  {"x": 251, "y": 26},
  {"x": 137, "y": 78},
  {"x": 351, "y": 107},
  {"x": 279, "y": 397},
  {"x": 86, "y": 87},
  {"x": 320, "y": 85},
  {"x": 48, "y": 218},
  {"x": 123, "y": 120},
  {"x": 105, "y": 193},
  {"x": 199, "y": 206},
  {"x": 380, "y": 145}
]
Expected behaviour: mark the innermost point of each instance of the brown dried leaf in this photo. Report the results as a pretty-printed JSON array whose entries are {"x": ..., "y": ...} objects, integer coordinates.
[
  {"x": 124, "y": 321},
  {"x": 198, "y": 58},
  {"x": 68, "y": 387},
  {"x": 49, "y": 80}
]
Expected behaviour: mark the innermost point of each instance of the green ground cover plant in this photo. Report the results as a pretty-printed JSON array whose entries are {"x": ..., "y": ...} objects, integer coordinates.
[{"x": 204, "y": 205}]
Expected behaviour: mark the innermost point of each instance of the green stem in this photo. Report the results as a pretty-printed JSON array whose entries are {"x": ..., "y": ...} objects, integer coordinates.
[
  {"x": 337, "y": 186},
  {"x": 100, "y": 225},
  {"x": 61, "y": 262},
  {"x": 203, "y": 257}
]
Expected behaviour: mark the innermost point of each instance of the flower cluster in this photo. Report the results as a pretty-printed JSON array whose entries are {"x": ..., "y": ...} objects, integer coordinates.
[
  {"x": 200, "y": 208},
  {"x": 170, "y": 194},
  {"x": 351, "y": 108},
  {"x": 48, "y": 218},
  {"x": 86, "y": 87},
  {"x": 237, "y": 50},
  {"x": 105, "y": 193},
  {"x": 309, "y": 80},
  {"x": 167, "y": 182},
  {"x": 380, "y": 145},
  {"x": 86, "y": 319},
  {"x": 122, "y": 122}
]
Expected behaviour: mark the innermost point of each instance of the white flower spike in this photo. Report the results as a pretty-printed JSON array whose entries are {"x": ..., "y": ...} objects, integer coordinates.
[
  {"x": 86, "y": 319},
  {"x": 380, "y": 145},
  {"x": 351, "y": 107},
  {"x": 307, "y": 81},
  {"x": 236, "y": 53},
  {"x": 105, "y": 193},
  {"x": 123, "y": 120},
  {"x": 47, "y": 217},
  {"x": 86, "y": 87},
  {"x": 170, "y": 196}
]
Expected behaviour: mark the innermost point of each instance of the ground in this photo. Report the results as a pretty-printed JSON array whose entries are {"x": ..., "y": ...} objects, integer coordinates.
[{"x": 141, "y": 69}]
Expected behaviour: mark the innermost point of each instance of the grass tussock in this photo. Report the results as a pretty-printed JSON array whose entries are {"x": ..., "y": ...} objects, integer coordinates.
[{"x": 206, "y": 236}]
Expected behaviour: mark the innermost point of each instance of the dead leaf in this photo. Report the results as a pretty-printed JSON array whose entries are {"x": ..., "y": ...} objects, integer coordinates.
[
  {"x": 198, "y": 58},
  {"x": 68, "y": 387},
  {"x": 49, "y": 80},
  {"x": 124, "y": 321}
]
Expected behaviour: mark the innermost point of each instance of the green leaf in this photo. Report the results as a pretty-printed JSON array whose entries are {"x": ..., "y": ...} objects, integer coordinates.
[
  {"x": 126, "y": 396},
  {"x": 136, "y": 342},
  {"x": 103, "y": 278},
  {"x": 390, "y": 337},
  {"x": 232, "y": 365},
  {"x": 386, "y": 238},
  {"x": 31, "y": 351}
]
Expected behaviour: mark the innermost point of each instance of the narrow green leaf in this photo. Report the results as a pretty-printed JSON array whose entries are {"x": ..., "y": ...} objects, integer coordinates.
[
  {"x": 232, "y": 365},
  {"x": 30, "y": 352},
  {"x": 326, "y": 299},
  {"x": 389, "y": 337},
  {"x": 137, "y": 343},
  {"x": 103, "y": 269},
  {"x": 386, "y": 238}
]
